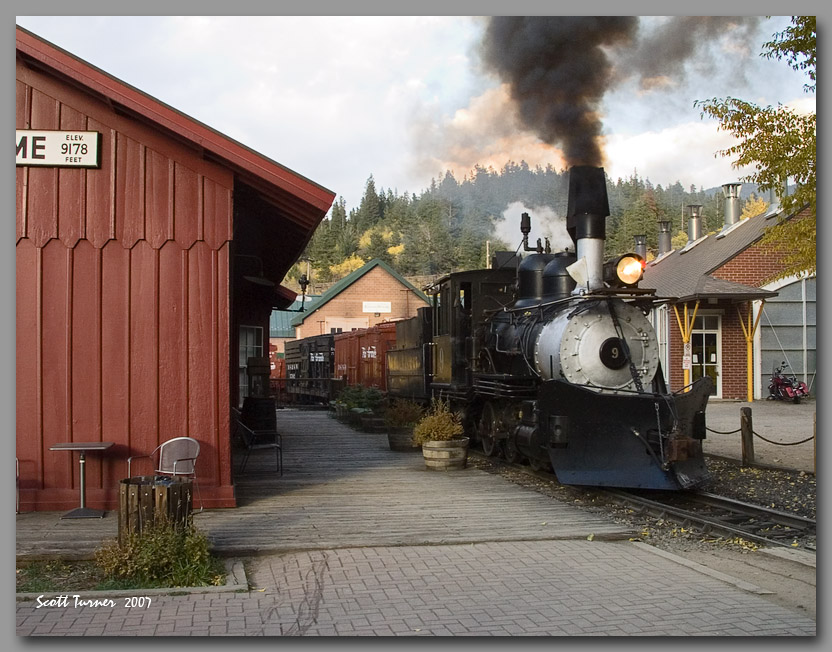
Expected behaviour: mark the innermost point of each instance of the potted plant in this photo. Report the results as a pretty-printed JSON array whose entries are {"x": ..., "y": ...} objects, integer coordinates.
[
  {"x": 355, "y": 402},
  {"x": 440, "y": 432},
  {"x": 400, "y": 417}
]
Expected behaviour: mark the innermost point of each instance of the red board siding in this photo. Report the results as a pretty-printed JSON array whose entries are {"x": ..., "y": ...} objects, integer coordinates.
[
  {"x": 116, "y": 352},
  {"x": 27, "y": 365},
  {"x": 123, "y": 312},
  {"x": 129, "y": 191},
  {"x": 99, "y": 214}
]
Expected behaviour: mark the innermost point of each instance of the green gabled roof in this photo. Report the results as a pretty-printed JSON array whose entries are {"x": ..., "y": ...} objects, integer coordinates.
[
  {"x": 351, "y": 278},
  {"x": 280, "y": 321}
]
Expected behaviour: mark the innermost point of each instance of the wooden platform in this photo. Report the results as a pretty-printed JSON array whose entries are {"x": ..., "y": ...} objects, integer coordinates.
[{"x": 343, "y": 488}]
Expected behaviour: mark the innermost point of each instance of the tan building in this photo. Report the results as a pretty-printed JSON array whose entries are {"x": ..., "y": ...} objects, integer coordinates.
[{"x": 368, "y": 296}]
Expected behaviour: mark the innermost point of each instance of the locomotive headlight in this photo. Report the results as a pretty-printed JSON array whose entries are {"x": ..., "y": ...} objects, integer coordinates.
[{"x": 624, "y": 271}]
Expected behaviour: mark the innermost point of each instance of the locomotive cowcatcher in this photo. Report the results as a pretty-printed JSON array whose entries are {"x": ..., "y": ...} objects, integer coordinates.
[{"x": 552, "y": 358}]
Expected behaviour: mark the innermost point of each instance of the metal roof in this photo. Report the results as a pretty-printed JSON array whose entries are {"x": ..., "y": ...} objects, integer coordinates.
[
  {"x": 280, "y": 321},
  {"x": 685, "y": 274}
]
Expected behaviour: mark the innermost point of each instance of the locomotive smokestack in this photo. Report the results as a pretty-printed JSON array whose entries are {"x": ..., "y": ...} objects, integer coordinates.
[
  {"x": 586, "y": 214},
  {"x": 731, "y": 192}
]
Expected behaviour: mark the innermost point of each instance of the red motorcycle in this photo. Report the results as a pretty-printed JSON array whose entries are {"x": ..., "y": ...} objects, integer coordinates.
[{"x": 786, "y": 388}]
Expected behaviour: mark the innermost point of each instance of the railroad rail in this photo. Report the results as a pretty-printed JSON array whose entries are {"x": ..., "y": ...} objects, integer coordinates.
[
  {"x": 713, "y": 514},
  {"x": 706, "y": 512}
]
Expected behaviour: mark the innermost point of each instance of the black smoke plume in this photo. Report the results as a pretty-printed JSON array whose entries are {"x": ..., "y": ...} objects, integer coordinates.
[
  {"x": 558, "y": 73},
  {"x": 558, "y": 68}
]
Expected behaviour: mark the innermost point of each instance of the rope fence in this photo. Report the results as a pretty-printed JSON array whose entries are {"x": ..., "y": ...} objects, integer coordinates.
[
  {"x": 747, "y": 434},
  {"x": 756, "y": 434}
]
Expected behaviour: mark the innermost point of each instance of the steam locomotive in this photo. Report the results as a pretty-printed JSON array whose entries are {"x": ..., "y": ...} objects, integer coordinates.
[{"x": 552, "y": 358}]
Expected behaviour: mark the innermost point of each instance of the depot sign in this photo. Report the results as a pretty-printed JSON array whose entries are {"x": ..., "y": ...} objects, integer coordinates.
[{"x": 75, "y": 149}]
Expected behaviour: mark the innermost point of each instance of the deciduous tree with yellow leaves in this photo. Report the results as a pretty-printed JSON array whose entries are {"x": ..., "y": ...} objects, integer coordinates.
[{"x": 778, "y": 144}]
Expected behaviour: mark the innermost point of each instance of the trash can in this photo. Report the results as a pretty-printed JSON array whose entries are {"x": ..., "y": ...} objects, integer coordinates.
[{"x": 147, "y": 499}]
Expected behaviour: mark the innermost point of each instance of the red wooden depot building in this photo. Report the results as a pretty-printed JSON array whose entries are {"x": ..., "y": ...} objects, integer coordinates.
[{"x": 145, "y": 277}]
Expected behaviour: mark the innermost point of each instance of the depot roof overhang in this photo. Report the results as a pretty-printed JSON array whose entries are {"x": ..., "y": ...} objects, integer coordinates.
[
  {"x": 709, "y": 287},
  {"x": 299, "y": 203}
]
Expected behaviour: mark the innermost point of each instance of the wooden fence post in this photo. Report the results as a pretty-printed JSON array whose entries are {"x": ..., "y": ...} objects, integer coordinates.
[{"x": 747, "y": 434}]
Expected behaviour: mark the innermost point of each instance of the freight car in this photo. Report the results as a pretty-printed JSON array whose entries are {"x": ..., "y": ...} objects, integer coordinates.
[
  {"x": 310, "y": 369},
  {"x": 361, "y": 355},
  {"x": 552, "y": 359}
]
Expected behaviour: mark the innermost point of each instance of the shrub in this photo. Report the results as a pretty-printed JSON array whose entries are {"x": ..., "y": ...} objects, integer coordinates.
[
  {"x": 402, "y": 413},
  {"x": 162, "y": 555},
  {"x": 358, "y": 396},
  {"x": 439, "y": 424}
]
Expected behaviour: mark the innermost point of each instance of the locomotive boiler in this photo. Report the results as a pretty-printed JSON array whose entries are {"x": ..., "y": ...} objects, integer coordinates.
[{"x": 553, "y": 359}]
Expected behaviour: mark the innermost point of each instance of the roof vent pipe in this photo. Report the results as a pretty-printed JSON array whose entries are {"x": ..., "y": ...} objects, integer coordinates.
[
  {"x": 641, "y": 245},
  {"x": 731, "y": 192},
  {"x": 774, "y": 200},
  {"x": 664, "y": 237},
  {"x": 694, "y": 222}
]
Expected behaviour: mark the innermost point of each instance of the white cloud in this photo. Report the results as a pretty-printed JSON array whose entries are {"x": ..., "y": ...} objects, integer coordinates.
[
  {"x": 340, "y": 98},
  {"x": 685, "y": 153}
]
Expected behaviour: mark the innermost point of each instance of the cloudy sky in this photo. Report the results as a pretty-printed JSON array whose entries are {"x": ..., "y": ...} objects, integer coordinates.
[{"x": 338, "y": 99}]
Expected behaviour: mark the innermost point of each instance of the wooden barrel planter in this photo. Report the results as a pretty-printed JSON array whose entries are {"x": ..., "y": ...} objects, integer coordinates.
[
  {"x": 446, "y": 455},
  {"x": 401, "y": 439},
  {"x": 148, "y": 499}
]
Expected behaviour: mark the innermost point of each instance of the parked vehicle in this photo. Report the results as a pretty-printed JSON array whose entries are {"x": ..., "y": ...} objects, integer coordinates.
[{"x": 785, "y": 388}]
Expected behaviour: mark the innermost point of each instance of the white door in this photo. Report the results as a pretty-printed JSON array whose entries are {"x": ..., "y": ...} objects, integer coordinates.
[{"x": 706, "y": 350}]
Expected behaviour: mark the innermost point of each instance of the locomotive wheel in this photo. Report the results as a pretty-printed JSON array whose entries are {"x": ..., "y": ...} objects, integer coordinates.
[
  {"x": 488, "y": 431},
  {"x": 512, "y": 455}
]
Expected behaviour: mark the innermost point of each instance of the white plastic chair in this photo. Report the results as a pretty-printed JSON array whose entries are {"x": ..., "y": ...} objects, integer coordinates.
[{"x": 175, "y": 457}]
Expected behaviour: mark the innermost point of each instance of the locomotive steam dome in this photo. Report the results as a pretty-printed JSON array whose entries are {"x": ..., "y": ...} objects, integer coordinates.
[{"x": 583, "y": 348}]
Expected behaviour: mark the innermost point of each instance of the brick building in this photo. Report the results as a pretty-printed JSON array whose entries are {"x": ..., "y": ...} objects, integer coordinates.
[
  {"x": 729, "y": 314},
  {"x": 370, "y": 295}
]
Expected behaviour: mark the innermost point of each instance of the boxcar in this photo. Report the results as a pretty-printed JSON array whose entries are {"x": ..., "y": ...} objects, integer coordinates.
[
  {"x": 310, "y": 365},
  {"x": 361, "y": 355}
]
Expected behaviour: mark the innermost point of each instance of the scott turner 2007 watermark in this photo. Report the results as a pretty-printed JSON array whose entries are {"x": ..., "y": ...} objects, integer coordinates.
[{"x": 77, "y": 602}]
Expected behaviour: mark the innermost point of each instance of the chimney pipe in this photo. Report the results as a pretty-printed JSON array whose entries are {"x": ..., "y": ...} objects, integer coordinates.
[
  {"x": 694, "y": 222},
  {"x": 641, "y": 245},
  {"x": 774, "y": 200},
  {"x": 664, "y": 237},
  {"x": 586, "y": 215},
  {"x": 731, "y": 192}
]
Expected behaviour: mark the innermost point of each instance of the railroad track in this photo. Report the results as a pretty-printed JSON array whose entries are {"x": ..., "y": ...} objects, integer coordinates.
[
  {"x": 703, "y": 512},
  {"x": 712, "y": 514}
]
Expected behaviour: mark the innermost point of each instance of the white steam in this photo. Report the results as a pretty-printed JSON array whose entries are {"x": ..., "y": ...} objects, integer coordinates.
[{"x": 546, "y": 223}]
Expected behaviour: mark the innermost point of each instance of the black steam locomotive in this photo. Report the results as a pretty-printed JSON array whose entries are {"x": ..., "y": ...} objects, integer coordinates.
[{"x": 553, "y": 359}]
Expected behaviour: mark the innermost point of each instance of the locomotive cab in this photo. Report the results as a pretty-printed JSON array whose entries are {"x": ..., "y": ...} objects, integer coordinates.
[{"x": 460, "y": 303}]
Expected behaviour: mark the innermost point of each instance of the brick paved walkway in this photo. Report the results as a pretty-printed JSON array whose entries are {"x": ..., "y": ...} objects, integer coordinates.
[
  {"x": 539, "y": 588},
  {"x": 548, "y": 580}
]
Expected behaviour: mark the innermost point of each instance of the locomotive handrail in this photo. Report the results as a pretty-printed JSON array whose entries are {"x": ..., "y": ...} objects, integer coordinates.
[{"x": 600, "y": 293}]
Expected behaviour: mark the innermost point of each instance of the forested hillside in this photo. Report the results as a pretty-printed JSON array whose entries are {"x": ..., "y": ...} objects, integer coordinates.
[{"x": 452, "y": 224}]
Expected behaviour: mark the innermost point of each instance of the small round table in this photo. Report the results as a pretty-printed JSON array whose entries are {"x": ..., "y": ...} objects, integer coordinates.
[{"x": 82, "y": 447}]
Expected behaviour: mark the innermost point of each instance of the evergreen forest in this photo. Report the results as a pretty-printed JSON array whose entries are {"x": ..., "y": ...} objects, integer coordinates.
[{"x": 455, "y": 225}]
